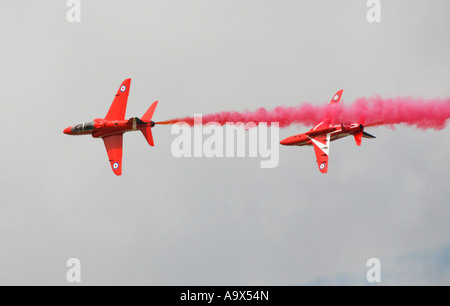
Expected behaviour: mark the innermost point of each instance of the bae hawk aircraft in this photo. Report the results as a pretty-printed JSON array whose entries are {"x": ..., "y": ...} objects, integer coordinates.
[
  {"x": 112, "y": 127},
  {"x": 326, "y": 131}
]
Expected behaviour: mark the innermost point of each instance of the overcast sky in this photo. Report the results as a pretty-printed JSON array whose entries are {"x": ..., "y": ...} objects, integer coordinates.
[{"x": 220, "y": 221}]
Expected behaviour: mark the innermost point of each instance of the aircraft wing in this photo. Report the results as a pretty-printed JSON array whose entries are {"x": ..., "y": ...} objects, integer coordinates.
[
  {"x": 119, "y": 105},
  {"x": 337, "y": 97},
  {"x": 113, "y": 146},
  {"x": 321, "y": 145}
]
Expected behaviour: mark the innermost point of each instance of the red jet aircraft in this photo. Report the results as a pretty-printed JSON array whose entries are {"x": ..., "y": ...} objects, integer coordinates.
[
  {"x": 111, "y": 128},
  {"x": 321, "y": 135}
]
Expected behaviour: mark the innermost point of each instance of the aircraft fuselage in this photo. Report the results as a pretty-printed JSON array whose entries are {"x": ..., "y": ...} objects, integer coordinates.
[
  {"x": 101, "y": 127},
  {"x": 335, "y": 132}
]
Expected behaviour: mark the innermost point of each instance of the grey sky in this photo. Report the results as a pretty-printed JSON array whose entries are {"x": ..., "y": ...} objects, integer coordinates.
[{"x": 194, "y": 221}]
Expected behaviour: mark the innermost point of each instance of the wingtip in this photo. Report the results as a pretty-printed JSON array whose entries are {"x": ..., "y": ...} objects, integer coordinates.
[
  {"x": 337, "y": 96},
  {"x": 117, "y": 172}
]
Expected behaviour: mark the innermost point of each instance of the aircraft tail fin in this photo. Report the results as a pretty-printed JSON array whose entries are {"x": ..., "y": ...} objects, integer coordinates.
[{"x": 147, "y": 131}]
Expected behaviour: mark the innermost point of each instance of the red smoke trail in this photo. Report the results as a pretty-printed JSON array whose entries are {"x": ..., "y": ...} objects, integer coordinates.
[{"x": 424, "y": 114}]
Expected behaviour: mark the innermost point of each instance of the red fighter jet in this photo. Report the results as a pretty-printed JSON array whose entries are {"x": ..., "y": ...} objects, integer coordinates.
[
  {"x": 321, "y": 135},
  {"x": 112, "y": 127}
]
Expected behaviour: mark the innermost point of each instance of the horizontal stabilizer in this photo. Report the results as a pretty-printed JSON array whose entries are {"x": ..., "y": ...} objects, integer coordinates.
[
  {"x": 149, "y": 113},
  {"x": 147, "y": 132},
  {"x": 367, "y": 135}
]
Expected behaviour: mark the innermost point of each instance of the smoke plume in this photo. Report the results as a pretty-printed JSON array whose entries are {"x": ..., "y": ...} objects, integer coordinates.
[{"x": 420, "y": 113}]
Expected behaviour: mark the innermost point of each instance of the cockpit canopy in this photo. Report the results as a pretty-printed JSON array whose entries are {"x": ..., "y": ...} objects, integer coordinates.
[{"x": 83, "y": 127}]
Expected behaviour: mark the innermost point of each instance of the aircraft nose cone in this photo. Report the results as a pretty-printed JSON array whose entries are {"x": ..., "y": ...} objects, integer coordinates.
[
  {"x": 286, "y": 141},
  {"x": 67, "y": 130}
]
